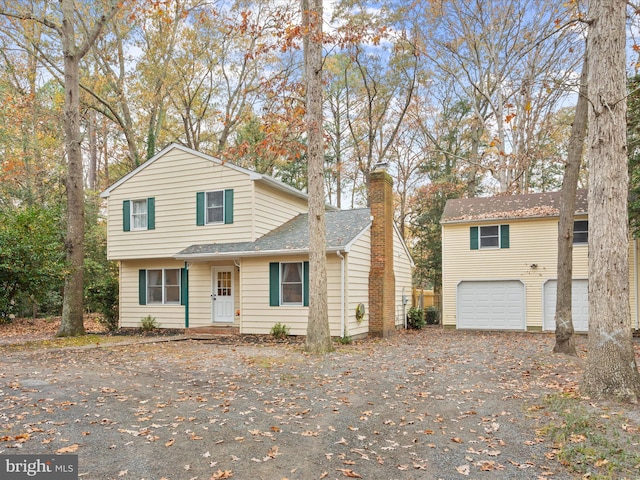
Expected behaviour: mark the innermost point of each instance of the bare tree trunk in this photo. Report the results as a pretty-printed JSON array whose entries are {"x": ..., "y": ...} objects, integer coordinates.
[
  {"x": 318, "y": 334},
  {"x": 565, "y": 342},
  {"x": 93, "y": 150},
  {"x": 611, "y": 370},
  {"x": 72, "y": 306}
]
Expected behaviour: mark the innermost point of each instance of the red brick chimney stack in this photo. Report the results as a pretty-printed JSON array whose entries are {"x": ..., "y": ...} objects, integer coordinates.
[{"x": 382, "y": 281}]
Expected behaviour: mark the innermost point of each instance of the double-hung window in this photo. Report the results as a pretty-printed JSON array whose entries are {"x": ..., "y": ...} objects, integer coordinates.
[
  {"x": 489, "y": 237},
  {"x": 289, "y": 284},
  {"x": 214, "y": 207},
  {"x": 139, "y": 214},
  {"x": 163, "y": 286},
  {"x": 581, "y": 232}
]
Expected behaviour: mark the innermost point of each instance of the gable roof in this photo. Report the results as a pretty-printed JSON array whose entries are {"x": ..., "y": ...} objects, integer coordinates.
[
  {"x": 533, "y": 205},
  {"x": 343, "y": 227},
  {"x": 258, "y": 177}
]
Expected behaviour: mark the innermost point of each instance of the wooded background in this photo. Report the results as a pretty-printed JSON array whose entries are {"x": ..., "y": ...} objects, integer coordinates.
[{"x": 459, "y": 97}]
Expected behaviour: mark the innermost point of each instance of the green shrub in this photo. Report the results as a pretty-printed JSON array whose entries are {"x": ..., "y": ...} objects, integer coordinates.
[
  {"x": 280, "y": 331},
  {"x": 148, "y": 323},
  {"x": 415, "y": 318},
  {"x": 433, "y": 315},
  {"x": 102, "y": 297}
]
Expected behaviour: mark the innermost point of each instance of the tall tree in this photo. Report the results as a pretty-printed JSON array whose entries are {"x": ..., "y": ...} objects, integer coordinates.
[
  {"x": 74, "y": 47},
  {"x": 318, "y": 334},
  {"x": 565, "y": 343},
  {"x": 611, "y": 370}
]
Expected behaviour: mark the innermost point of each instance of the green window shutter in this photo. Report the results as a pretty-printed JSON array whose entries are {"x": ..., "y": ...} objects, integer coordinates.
[
  {"x": 305, "y": 284},
  {"x": 151, "y": 213},
  {"x": 200, "y": 208},
  {"x": 184, "y": 286},
  {"x": 142, "y": 287},
  {"x": 504, "y": 236},
  {"x": 228, "y": 206},
  {"x": 126, "y": 216},
  {"x": 274, "y": 284},
  {"x": 473, "y": 237}
]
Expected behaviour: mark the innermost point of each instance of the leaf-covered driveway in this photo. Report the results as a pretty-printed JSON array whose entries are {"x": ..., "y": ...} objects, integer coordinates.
[{"x": 422, "y": 405}]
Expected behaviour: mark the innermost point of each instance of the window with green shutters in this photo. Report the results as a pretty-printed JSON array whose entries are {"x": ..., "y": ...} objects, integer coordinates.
[
  {"x": 289, "y": 284},
  {"x": 215, "y": 207},
  {"x": 164, "y": 286},
  {"x": 139, "y": 214},
  {"x": 489, "y": 237}
]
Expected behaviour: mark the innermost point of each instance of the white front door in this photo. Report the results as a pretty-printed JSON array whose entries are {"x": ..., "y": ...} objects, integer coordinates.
[{"x": 222, "y": 294}]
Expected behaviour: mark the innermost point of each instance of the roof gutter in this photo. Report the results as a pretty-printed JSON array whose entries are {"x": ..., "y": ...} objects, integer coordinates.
[{"x": 262, "y": 253}]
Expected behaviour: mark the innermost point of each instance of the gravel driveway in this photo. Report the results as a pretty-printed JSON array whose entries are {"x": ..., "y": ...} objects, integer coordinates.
[{"x": 423, "y": 405}]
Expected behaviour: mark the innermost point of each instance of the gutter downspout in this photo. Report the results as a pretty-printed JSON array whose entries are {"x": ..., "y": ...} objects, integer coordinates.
[
  {"x": 186, "y": 293},
  {"x": 342, "y": 306}
]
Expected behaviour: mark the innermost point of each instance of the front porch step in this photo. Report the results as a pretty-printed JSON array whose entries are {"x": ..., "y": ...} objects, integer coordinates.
[{"x": 211, "y": 330}]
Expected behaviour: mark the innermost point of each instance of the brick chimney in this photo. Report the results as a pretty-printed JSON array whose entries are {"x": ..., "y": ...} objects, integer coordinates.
[{"x": 382, "y": 281}]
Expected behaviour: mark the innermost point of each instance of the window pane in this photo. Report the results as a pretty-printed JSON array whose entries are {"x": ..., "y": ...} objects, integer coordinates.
[
  {"x": 139, "y": 206},
  {"x": 154, "y": 277},
  {"x": 292, "y": 293},
  {"x": 172, "y": 277},
  {"x": 172, "y": 295},
  {"x": 154, "y": 294},
  {"x": 292, "y": 272},
  {"x": 215, "y": 199}
]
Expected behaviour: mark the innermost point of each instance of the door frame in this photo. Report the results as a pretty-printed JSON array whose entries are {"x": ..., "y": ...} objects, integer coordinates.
[{"x": 214, "y": 284}]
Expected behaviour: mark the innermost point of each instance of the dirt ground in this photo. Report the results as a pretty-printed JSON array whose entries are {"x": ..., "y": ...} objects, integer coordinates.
[{"x": 432, "y": 404}]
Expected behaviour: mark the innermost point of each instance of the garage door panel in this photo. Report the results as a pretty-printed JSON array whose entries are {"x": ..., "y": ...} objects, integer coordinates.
[
  {"x": 492, "y": 305},
  {"x": 579, "y": 305}
]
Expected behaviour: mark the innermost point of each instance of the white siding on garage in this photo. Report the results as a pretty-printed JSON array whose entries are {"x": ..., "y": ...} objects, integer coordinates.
[
  {"x": 579, "y": 304},
  {"x": 494, "y": 305}
]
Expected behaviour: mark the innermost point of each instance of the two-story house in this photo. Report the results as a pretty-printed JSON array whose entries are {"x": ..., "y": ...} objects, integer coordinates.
[
  {"x": 499, "y": 263},
  {"x": 201, "y": 242}
]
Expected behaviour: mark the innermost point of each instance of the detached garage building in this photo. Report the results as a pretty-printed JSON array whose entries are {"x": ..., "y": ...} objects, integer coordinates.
[{"x": 499, "y": 257}]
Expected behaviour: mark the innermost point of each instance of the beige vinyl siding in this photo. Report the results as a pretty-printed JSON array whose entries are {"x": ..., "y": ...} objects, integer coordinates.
[
  {"x": 131, "y": 312},
  {"x": 258, "y": 317},
  {"x": 200, "y": 278},
  {"x": 404, "y": 278},
  {"x": 273, "y": 208},
  {"x": 173, "y": 180},
  {"x": 531, "y": 242},
  {"x": 357, "y": 270}
]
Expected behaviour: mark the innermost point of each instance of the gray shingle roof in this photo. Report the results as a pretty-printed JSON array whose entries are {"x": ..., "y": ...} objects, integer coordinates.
[
  {"x": 343, "y": 226},
  {"x": 508, "y": 207}
]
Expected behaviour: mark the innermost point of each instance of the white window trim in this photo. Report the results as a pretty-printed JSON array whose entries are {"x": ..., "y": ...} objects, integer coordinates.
[
  {"x": 206, "y": 207},
  {"x": 580, "y": 231},
  {"x": 282, "y": 283},
  {"x": 133, "y": 216},
  {"x": 163, "y": 287},
  {"x": 480, "y": 237}
]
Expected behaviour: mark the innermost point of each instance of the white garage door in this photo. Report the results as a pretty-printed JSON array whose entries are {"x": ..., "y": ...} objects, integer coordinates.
[
  {"x": 579, "y": 305},
  {"x": 496, "y": 305}
]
